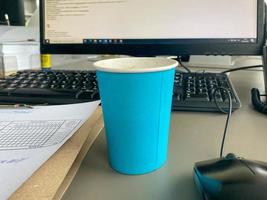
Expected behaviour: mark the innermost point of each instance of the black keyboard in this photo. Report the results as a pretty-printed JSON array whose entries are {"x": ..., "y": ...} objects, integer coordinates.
[
  {"x": 49, "y": 87},
  {"x": 192, "y": 91},
  {"x": 195, "y": 92}
]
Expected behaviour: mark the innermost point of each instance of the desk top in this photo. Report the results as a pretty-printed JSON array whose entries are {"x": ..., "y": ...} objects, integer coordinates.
[{"x": 193, "y": 137}]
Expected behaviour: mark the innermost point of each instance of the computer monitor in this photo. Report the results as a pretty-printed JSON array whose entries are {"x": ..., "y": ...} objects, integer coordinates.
[
  {"x": 152, "y": 27},
  {"x": 12, "y": 12}
]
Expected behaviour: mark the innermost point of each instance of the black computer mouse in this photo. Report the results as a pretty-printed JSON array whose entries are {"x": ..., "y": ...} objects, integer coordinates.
[{"x": 231, "y": 178}]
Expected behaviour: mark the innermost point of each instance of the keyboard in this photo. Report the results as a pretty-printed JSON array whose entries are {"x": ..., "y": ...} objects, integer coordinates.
[
  {"x": 195, "y": 92},
  {"x": 34, "y": 134},
  {"x": 50, "y": 87},
  {"x": 192, "y": 91}
]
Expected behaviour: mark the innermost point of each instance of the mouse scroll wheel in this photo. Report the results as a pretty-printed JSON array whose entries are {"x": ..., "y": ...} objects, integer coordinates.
[{"x": 230, "y": 156}]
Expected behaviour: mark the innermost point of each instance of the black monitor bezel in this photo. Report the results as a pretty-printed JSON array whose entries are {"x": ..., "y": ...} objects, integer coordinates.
[{"x": 185, "y": 47}]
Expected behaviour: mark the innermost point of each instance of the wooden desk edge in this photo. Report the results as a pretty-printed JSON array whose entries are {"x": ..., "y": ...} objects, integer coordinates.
[
  {"x": 52, "y": 179},
  {"x": 78, "y": 161}
]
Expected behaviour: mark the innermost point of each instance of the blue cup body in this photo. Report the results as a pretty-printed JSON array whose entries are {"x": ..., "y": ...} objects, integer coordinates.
[{"x": 136, "y": 109}]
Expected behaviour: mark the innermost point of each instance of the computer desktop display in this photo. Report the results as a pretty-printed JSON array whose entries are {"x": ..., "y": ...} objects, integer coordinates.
[
  {"x": 175, "y": 27},
  {"x": 118, "y": 22}
]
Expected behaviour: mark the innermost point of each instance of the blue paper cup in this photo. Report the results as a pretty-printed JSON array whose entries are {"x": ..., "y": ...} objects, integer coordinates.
[{"x": 136, "y": 96}]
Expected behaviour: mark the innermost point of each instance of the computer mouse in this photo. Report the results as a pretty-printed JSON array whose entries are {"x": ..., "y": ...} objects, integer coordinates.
[{"x": 231, "y": 178}]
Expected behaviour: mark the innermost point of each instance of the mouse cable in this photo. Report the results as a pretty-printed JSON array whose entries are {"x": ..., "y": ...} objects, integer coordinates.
[
  {"x": 182, "y": 65},
  {"x": 241, "y": 68},
  {"x": 228, "y": 112}
]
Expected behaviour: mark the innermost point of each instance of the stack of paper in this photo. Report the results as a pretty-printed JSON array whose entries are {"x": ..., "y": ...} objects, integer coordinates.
[
  {"x": 19, "y": 48},
  {"x": 16, "y": 165}
]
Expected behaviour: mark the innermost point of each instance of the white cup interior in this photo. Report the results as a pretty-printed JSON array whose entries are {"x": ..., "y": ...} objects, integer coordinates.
[{"x": 135, "y": 65}]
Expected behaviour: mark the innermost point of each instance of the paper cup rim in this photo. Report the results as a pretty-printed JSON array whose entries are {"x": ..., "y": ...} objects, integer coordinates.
[{"x": 135, "y": 65}]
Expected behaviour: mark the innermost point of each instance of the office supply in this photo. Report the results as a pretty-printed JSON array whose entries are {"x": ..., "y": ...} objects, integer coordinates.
[
  {"x": 195, "y": 92},
  {"x": 24, "y": 56},
  {"x": 192, "y": 91},
  {"x": 25, "y": 161},
  {"x": 19, "y": 49},
  {"x": 12, "y": 11},
  {"x": 61, "y": 168},
  {"x": 136, "y": 127},
  {"x": 17, "y": 34},
  {"x": 231, "y": 178},
  {"x": 46, "y": 61},
  {"x": 49, "y": 87}
]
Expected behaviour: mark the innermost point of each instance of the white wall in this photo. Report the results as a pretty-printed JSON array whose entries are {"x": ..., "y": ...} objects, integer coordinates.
[{"x": 30, "y": 7}]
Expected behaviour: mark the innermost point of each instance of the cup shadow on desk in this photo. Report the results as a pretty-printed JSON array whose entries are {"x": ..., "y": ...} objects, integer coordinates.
[{"x": 97, "y": 156}]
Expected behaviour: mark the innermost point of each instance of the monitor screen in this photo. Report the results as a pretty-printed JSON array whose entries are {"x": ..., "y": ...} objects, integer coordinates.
[
  {"x": 12, "y": 12},
  {"x": 153, "y": 27}
]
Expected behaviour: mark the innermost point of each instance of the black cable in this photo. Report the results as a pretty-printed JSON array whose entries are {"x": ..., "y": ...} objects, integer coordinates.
[
  {"x": 241, "y": 68},
  {"x": 182, "y": 65},
  {"x": 226, "y": 71},
  {"x": 229, "y": 114}
]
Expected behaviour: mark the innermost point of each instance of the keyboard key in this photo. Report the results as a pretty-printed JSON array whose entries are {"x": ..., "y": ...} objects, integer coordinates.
[{"x": 197, "y": 97}]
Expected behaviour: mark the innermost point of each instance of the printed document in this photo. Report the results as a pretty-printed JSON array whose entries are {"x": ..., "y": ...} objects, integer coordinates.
[{"x": 28, "y": 137}]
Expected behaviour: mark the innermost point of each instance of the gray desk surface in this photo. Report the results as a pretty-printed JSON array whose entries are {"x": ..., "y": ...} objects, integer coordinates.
[{"x": 193, "y": 137}]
